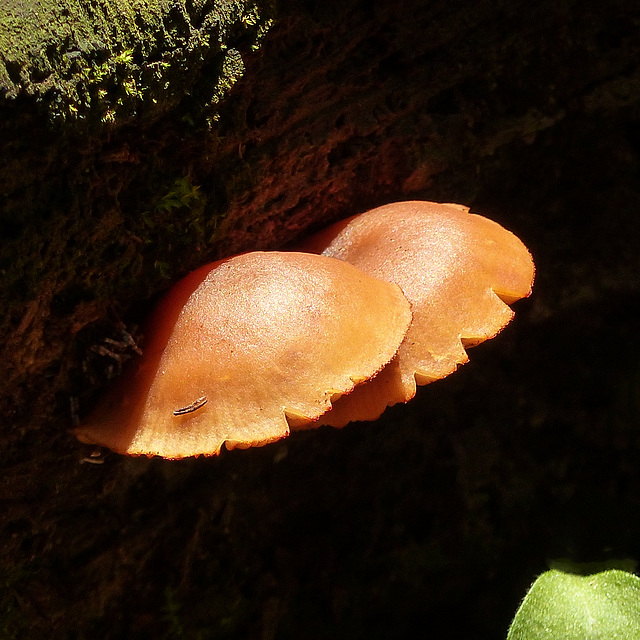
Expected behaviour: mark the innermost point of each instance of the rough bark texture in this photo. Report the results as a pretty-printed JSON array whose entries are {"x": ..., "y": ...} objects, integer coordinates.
[{"x": 440, "y": 514}]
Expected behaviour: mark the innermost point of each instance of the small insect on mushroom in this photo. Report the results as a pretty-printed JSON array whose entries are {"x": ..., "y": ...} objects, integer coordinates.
[
  {"x": 460, "y": 272},
  {"x": 264, "y": 340},
  {"x": 190, "y": 408}
]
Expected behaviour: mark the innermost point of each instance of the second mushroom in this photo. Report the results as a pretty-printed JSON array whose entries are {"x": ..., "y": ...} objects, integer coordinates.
[{"x": 460, "y": 272}]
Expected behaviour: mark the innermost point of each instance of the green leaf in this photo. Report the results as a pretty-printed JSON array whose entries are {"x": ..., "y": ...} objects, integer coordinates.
[{"x": 559, "y": 605}]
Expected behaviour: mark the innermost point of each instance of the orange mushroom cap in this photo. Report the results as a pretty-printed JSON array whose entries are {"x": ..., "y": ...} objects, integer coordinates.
[
  {"x": 458, "y": 270},
  {"x": 241, "y": 346}
]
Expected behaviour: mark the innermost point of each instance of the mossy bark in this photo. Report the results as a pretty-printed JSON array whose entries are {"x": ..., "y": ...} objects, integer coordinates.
[
  {"x": 446, "y": 508},
  {"x": 115, "y": 59}
]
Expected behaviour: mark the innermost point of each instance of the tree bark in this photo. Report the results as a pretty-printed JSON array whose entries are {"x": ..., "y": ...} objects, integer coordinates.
[{"x": 445, "y": 509}]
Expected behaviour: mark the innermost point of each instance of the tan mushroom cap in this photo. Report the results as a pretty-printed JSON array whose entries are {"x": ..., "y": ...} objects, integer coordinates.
[
  {"x": 240, "y": 346},
  {"x": 458, "y": 270}
]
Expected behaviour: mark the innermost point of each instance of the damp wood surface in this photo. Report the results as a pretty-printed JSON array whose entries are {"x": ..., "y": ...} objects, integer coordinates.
[{"x": 446, "y": 508}]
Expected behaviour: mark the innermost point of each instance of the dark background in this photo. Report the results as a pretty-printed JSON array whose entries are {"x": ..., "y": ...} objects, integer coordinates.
[{"x": 438, "y": 516}]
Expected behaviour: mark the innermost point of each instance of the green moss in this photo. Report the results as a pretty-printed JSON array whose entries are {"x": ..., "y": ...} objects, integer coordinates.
[
  {"x": 182, "y": 194},
  {"x": 179, "y": 212},
  {"x": 110, "y": 63}
]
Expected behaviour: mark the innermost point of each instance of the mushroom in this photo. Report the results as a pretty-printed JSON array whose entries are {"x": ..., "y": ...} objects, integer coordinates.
[
  {"x": 459, "y": 271},
  {"x": 243, "y": 348}
]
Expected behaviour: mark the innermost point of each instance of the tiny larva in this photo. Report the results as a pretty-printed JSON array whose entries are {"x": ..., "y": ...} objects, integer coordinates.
[{"x": 190, "y": 408}]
